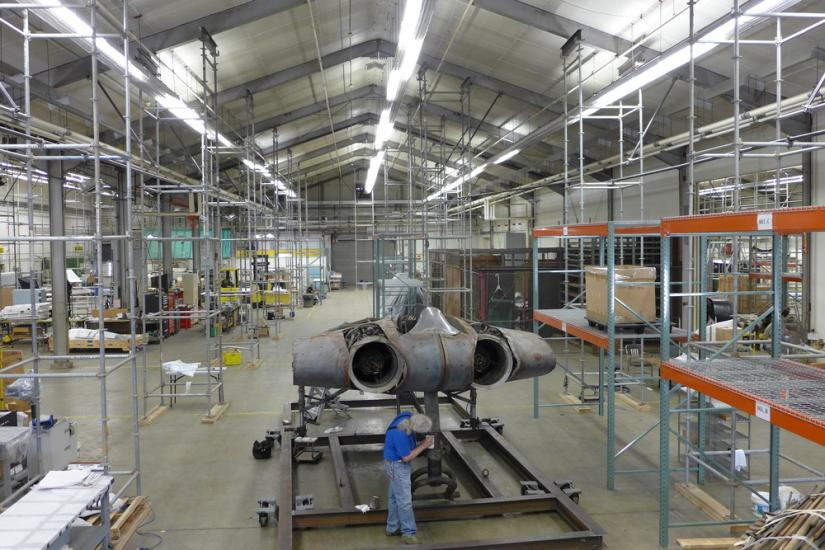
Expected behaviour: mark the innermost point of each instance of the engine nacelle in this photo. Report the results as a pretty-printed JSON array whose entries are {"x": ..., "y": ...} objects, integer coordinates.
[{"x": 438, "y": 353}]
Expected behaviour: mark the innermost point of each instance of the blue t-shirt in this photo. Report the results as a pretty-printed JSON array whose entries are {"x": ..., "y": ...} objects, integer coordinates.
[{"x": 397, "y": 444}]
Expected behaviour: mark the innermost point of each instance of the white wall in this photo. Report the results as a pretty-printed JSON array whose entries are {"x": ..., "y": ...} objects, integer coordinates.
[{"x": 75, "y": 224}]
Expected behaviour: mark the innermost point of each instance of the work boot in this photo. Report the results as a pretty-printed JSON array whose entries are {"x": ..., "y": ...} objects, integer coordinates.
[
  {"x": 393, "y": 534},
  {"x": 410, "y": 539}
]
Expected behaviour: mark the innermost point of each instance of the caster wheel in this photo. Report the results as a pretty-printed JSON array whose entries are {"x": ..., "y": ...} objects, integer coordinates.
[{"x": 263, "y": 519}]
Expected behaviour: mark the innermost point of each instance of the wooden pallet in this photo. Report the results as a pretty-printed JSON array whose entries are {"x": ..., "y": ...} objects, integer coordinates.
[
  {"x": 153, "y": 415},
  {"x": 573, "y": 400},
  {"x": 632, "y": 402},
  {"x": 126, "y": 523},
  {"x": 714, "y": 543},
  {"x": 714, "y": 509},
  {"x": 215, "y": 413}
]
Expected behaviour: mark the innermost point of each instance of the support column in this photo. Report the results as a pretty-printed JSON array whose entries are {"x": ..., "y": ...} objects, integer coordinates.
[
  {"x": 196, "y": 251},
  {"x": 683, "y": 252},
  {"x": 166, "y": 234},
  {"x": 60, "y": 294},
  {"x": 121, "y": 245},
  {"x": 817, "y": 240}
]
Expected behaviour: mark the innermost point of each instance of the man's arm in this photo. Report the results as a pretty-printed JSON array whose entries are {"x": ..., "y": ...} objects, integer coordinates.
[{"x": 428, "y": 440}]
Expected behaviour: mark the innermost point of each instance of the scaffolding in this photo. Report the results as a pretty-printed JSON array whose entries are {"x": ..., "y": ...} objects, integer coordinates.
[
  {"x": 39, "y": 143},
  {"x": 205, "y": 200},
  {"x": 428, "y": 260},
  {"x": 622, "y": 369}
]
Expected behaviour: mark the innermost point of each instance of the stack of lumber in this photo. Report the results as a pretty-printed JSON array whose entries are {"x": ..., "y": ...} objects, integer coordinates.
[{"x": 800, "y": 526}]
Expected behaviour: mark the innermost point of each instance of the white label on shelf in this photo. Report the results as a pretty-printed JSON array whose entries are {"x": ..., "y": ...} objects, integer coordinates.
[
  {"x": 764, "y": 221},
  {"x": 564, "y": 230},
  {"x": 563, "y": 326},
  {"x": 763, "y": 411}
]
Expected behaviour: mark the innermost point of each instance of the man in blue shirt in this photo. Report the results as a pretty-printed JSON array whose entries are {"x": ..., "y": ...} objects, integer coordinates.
[{"x": 400, "y": 448}]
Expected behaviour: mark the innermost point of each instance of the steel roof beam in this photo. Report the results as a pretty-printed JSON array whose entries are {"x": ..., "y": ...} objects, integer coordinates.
[
  {"x": 565, "y": 28},
  {"x": 215, "y": 23},
  {"x": 370, "y": 48}
]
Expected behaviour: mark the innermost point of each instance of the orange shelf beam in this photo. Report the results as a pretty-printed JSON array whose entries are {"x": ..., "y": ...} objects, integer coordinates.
[
  {"x": 594, "y": 230},
  {"x": 591, "y": 336},
  {"x": 784, "y": 221},
  {"x": 787, "y": 277},
  {"x": 780, "y": 415}
]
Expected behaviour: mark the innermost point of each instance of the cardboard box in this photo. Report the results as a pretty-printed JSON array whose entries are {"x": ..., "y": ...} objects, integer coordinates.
[
  {"x": 114, "y": 313},
  {"x": 726, "y": 284},
  {"x": 18, "y": 405},
  {"x": 6, "y": 296},
  {"x": 5, "y": 382},
  {"x": 642, "y": 299},
  {"x": 754, "y": 304},
  {"x": 10, "y": 356},
  {"x": 724, "y": 334}
]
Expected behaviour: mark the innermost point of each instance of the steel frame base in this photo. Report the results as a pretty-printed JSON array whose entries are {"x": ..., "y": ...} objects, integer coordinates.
[{"x": 584, "y": 532}]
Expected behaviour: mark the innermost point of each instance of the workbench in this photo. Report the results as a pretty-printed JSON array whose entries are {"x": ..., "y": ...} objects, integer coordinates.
[{"x": 43, "y": 518}]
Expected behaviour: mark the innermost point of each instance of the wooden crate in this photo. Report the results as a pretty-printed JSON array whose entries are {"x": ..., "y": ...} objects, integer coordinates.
[
  {"x": 642, "y": 299},
  {"x": 120, "y": 344}
]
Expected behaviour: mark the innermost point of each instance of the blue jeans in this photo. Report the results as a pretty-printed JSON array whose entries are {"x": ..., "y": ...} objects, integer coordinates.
[{"x": 399, "y": 508}]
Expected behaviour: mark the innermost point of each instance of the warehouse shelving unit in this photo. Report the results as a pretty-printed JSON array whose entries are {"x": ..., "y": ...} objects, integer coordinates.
[
  {"x": 571, "y": 322},
  {"x": 773, "y": 386}
]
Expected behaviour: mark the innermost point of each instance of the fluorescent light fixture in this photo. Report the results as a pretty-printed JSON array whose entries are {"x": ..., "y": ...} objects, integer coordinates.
[
  {"x": 680, "y": 57},
  {"x": 277, "y": 184},
  {"x": 478, "y": 170},
  {"x": 409, "y": 22},
  {"x": 457, "y": 183},
  {"x": 504, "y": 157},
  {"x": 410, "y": 58},
  {"x": 260, "y": 168},
  {"x": 384, "y": 129},
  {"x": 68, "y": 18},
  {"x": 409, "y": 48},
  {"x": 372, "y": 173},
  {"x": 181, "y": 110},
  {"x": 393, "y": 84}
]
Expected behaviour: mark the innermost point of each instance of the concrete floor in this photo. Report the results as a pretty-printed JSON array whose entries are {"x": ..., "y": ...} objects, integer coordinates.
[{"x": 203, "y": 482}]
